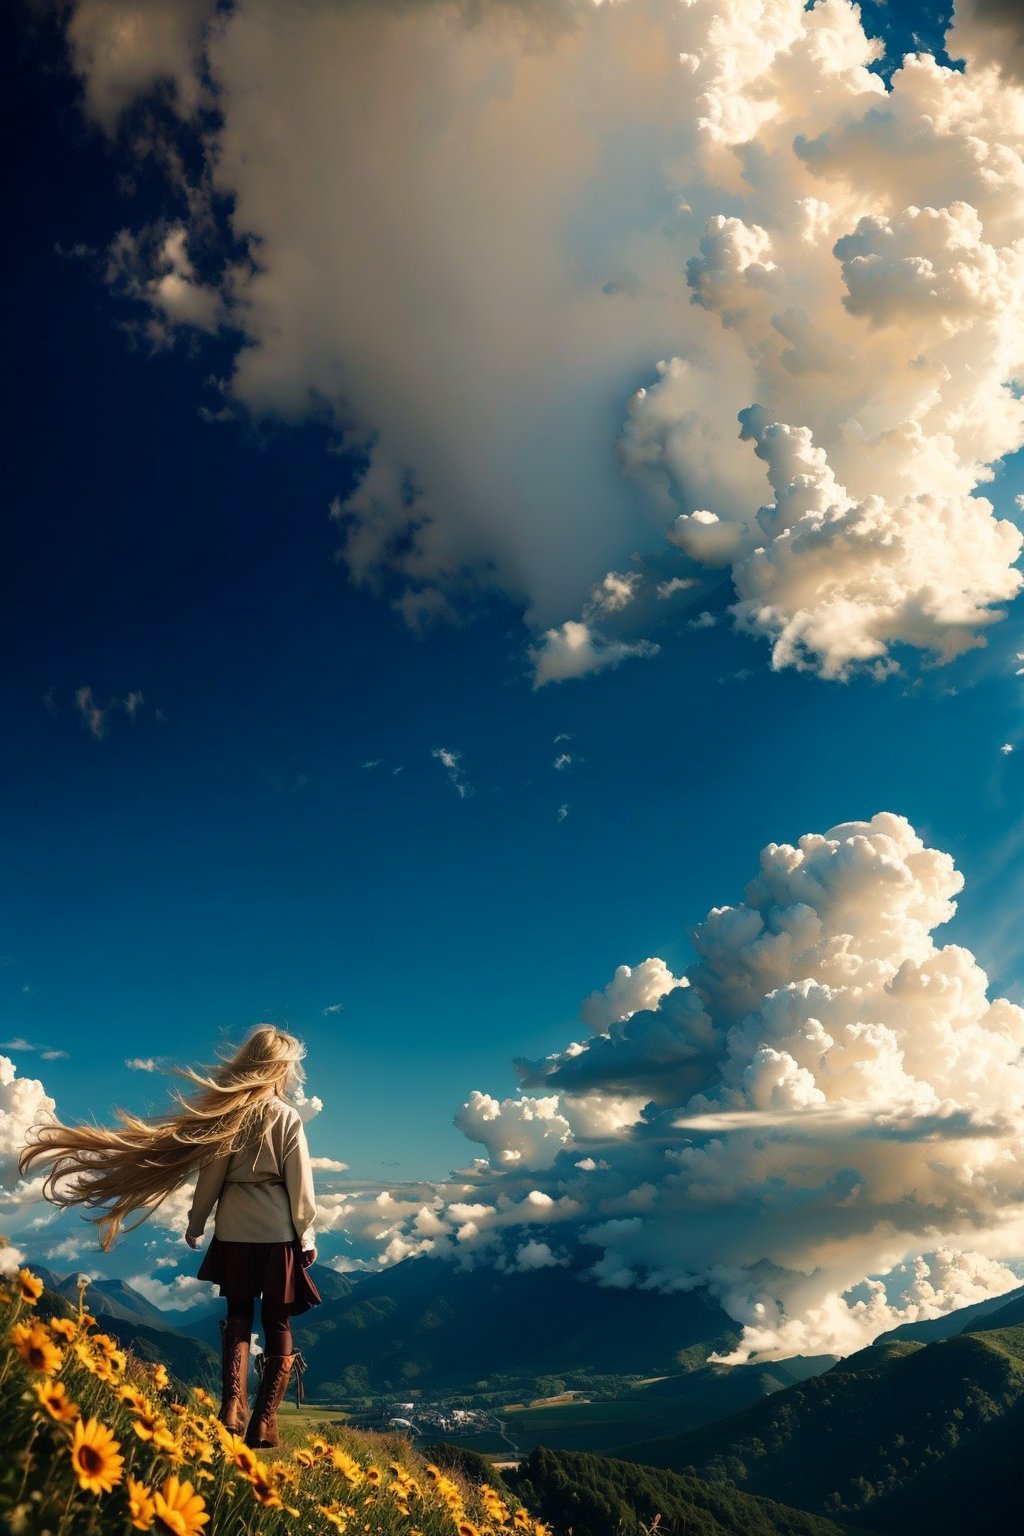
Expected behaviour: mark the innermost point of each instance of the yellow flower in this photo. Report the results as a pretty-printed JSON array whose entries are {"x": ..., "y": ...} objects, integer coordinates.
[
  {"x": 161, "y": 1381},
  {"x": 63, "y": 1327},
  {"x": 31, "y": 1286},
  {"x": 305, "y": 1458},
  {"x": 336, "y": 1517},
  {"x": 466, "y": 1528},
  {"x": 164, "y": 1441},
  {"x": 236, "y": 1450},
  {"x": 203, "y": 1398},
  {"x": 141, "y": 1509},
  {"x": 94, "y": 1456},
  {"x": 319, "y": 1447},
  {"x": 36, "y": 1347},
  {"x": 147, "y": 1420},
  {"x": 179, "y": 1509},
  {"x": 347, "y": 1466},
  {"x": 134, "y": 1398},
  {"x": 54, "y": 1398},
  {"x": 264, "y": 1491},
  {"x": 373, "y": 1476}
]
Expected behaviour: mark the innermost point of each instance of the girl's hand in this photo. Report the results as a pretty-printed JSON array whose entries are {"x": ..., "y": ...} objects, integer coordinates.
[
  {"x": 193, "y": 1242},
  {"x": 308, "y": 1257}
]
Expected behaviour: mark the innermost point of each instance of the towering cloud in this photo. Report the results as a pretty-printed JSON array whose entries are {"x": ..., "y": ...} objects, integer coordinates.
[
  {"x": 822, "y": 1121},
  {"x": 468, "y": 233}
]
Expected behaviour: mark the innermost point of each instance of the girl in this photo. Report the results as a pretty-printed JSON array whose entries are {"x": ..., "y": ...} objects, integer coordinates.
[{"x": 246, "y": 1141}]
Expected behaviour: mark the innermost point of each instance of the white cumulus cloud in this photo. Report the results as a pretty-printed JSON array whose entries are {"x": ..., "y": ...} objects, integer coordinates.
[
  {"x": 823, "y": 1125},
  {"x": 24, "y": 1102},
  {"x": 726, "y": 201}
]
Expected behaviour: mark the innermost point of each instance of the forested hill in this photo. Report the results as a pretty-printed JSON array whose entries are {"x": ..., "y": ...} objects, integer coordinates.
[
  {"x": 897, "y": 1437},
  {"x": 599, "y": 1496}
]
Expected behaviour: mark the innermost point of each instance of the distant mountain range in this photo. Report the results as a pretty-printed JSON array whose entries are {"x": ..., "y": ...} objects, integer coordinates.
[{"x": 426, "y": 1325}]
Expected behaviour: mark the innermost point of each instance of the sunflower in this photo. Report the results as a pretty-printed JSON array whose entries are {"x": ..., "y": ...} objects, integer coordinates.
[
  {"x": 304, "y": 1458},
  {"x": 336, "y": 1517},
  {"x": 134, "y": 1398},
  {"x": 161, "y": 1380},
  {"x": 63, "y": 1327},
  {"x": 94, "y": 1456},
  {"x": 147, "y": 1421},
  {"x": 53, "y": 1396},
  {"x": 263, "y": 1490},
  {"x": 141, "y": 1509},
  {"x": 30, "y": 1286},
  {"x": 203, "y": 1398},
  {"x": 373, "y": 1476},
  {"x": 243, "y": 1457},
  {"x": 35, "y": 1345},
  {"x": 319, "y": 1446},
  {"x": 347, "y": 1466},
  {"x": 164, "y": 1441},
  {"x": 466, "y": 1528},
  {"x": 179, "y": 1509}
]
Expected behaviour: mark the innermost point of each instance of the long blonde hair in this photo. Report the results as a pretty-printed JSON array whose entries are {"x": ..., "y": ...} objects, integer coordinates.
[{"x": 137, "y": 1164}]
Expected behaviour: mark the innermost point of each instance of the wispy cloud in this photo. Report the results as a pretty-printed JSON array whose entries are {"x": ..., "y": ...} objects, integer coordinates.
[
  {"x": 574, "y": 649},
  {"x": 667, "y": 589},
  {"x": 327, "y": 1165},
  {"x": 142, "y": 1063},
  {"x": 562, "y": 812},
  {"x": 451, "y": 762},
  {"x": 96, "y": 717},
  {"x": 334, "y": 1008},
  {"x": 46, "y": 1052}
]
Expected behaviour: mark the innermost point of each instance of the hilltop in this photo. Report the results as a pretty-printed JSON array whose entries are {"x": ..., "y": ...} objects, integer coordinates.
[{"x": 899, "y": 1436}]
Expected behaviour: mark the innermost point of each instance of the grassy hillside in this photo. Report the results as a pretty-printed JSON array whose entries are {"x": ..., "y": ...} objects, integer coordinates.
[
  {"x": 95, "y": 1440},
  {"x": 598, "y": 1496},
  {"x": 873, "y": 1436}
]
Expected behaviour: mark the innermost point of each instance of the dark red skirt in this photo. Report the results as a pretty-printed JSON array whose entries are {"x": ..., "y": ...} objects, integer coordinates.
[{"x": 273, "y": 1270}]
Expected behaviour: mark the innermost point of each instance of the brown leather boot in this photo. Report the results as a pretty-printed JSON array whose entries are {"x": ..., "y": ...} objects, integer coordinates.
[
  {"x": 277, "y": 1369},
  {"x": 234, "y": 1364}
]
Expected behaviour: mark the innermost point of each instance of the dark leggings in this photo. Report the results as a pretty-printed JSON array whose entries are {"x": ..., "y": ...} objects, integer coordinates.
[{"x": 274, "y": 1315}]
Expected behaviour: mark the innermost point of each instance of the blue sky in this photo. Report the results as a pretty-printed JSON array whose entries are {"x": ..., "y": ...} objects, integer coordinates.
[{"x": 268, "y": 832}]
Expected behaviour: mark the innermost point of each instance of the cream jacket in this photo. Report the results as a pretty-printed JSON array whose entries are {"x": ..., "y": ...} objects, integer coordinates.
[{"x": 264, "y": 1191}]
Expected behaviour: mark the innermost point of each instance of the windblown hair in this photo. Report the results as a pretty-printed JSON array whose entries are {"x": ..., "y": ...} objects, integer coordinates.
[{"x": 137, "y": 1164}]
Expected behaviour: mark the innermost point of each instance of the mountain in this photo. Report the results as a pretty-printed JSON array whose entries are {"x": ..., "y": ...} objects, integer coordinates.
[
  {"x": 960, "y": 1321},
  {"x": 599, "y": 1496},
  {"x": 1008, "y": 1316},
  {"x": 642, "y": 1410},
  {"x": 205, "y": 1325},
  {"x": 114, "y": 1298},
  {"x": 423, "y": 1324},
  {"x": 883, "y": 1437}
]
